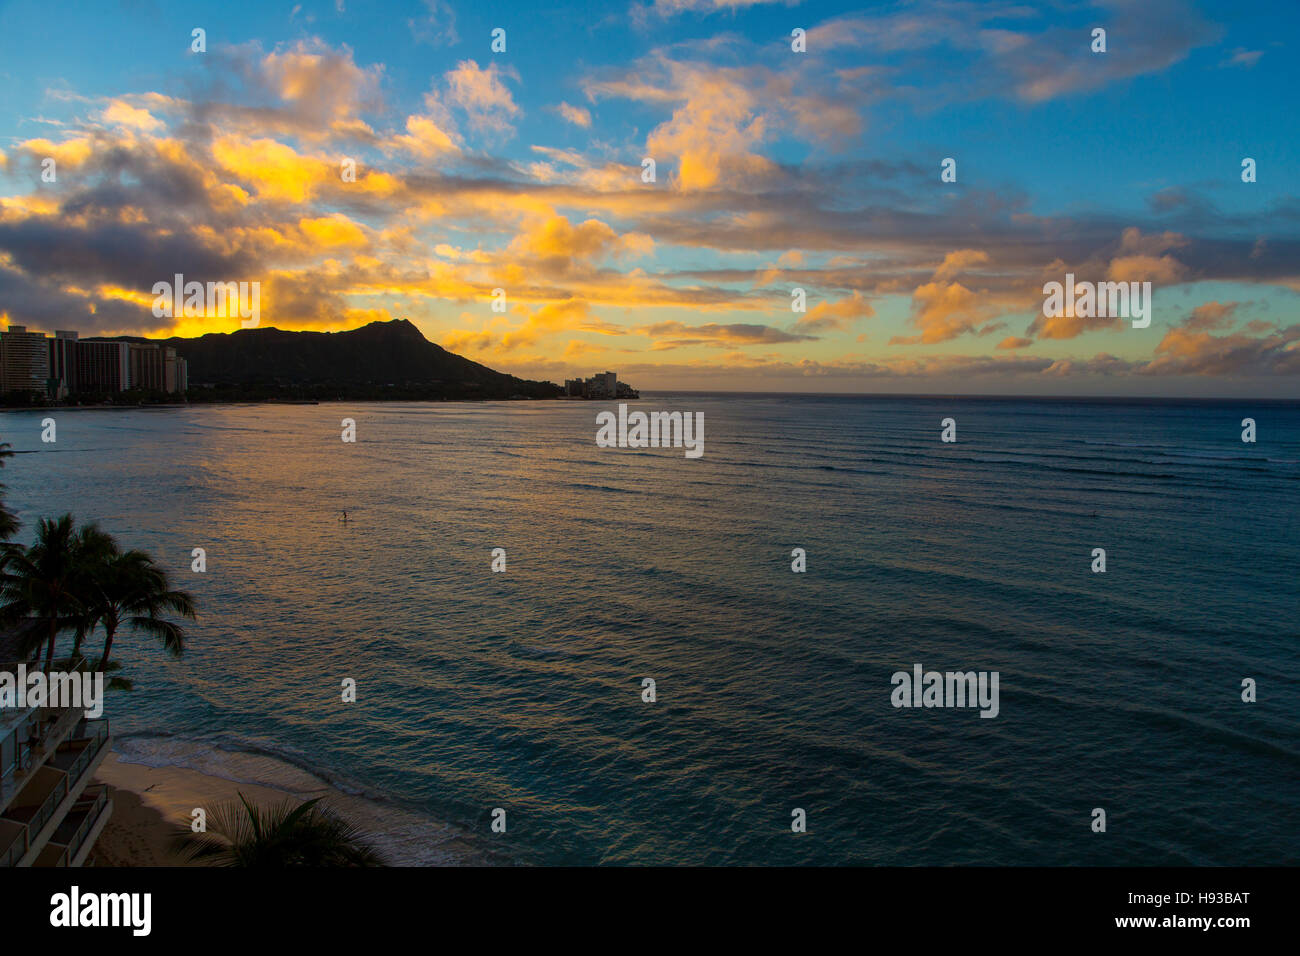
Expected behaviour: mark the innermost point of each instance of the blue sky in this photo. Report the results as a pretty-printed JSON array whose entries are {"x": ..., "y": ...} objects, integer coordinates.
[{"x": 775, "y": 169}]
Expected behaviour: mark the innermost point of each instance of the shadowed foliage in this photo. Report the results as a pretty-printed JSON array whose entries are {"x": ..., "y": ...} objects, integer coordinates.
[
  {"x": 8, "y": 521},
  {"x": 127, "y": 589},
  {"x": 75, "y": 579},
  {"x": 307, "y": 834},
  {"x": 43, "y": 588}
]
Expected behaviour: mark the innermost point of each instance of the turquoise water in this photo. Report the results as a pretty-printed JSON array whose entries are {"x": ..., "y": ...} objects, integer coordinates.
[{"x": 522, "y": 690}]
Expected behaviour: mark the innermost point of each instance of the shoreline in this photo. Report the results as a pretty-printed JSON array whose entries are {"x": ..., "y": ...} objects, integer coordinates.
[
  {"x": 151, "y": 803},
  {"x": 224, "y": 403}
]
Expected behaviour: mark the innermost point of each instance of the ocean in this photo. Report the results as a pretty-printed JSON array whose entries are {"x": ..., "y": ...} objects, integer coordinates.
[{"x": 522, "y": 690}]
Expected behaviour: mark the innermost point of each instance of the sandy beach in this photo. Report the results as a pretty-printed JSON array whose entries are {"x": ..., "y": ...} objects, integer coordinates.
[{"x": 150, "y": 805}]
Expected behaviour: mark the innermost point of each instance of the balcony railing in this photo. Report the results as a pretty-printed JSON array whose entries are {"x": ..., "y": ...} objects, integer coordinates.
[
  {"x": 48, "y": 806},
  {"x": 16, "y": 850},
  {"x": 91, "y": 736},
  {"x": 92, "y": 808},
  {"x": 96, "y": 732},
  {"x": 9, "y": 783},
  {"x": 49, "y": 726}
]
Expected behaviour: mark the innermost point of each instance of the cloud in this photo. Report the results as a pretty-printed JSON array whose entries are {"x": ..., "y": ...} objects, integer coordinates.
[
  {"x": 332, "y": 231},
  {"x": 557, "y": 245},
  {"x": 481, "y": 94},
  {"x": 242, "y": 180},
  {"x": 1165, "y": 270},
  {"x": 722, "y": 117},
  {"x": 959, "y": 261},
  {"x": 979, "y": 49},
  {"x": 121, "y": 113},
  {"x": 1211, "y": 317},
  {"x": 712, "y": 136},
  {"x": 271, "y": 169},
  {"x": 669, "y": 8},
  {"x": 673, "y": 335},
  {"x": 1243, "y": 58},
  {"x": 552, "y": 318},
  {"x": 1184, "y": 351},
  {"x": 437, "y": 26},
  {"x": 577, "y": 348},
  {"x": 944, "y": 309},
  {"x": 827, "y": 316},
  {"x": 576, "y": 115},
  {"x": 425, "y": 138},
  {"x": 307, "y": 89}
]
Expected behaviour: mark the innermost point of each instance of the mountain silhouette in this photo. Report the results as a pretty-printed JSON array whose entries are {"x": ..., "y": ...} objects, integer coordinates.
[{"x": 375, "y": 360}]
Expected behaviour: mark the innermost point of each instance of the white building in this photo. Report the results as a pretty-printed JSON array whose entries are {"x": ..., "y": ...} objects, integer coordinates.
[{"x": 50, "y": 815}]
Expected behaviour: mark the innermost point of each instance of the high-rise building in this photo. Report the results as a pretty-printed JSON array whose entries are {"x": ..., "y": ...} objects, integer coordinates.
[
  {"x": 63, "y": 364},
  {"x": 604, "y": 385},
  {"x": 24, "y": 360},
  {"x": 147, "y": 366},
  {"x": 103, "y": 366},
  {"x": 175, "y": 371}
]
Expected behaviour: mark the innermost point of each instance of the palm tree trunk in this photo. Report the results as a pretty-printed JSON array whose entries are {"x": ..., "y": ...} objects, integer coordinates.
[
  {"x": 49, "y": 648},
  {"x": 108, "y": 645}
]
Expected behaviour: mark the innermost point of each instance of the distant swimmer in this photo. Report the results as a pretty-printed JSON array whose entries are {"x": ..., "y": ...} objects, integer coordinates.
[{"x": 344, "y": 519}]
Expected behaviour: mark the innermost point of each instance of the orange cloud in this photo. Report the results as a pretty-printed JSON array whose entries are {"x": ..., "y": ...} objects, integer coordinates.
[
  {"x": 274, "y": 170},
  {"x": 835, "y": 316},
  {"x": 1211, "y": 316},
  {"x": 1164, "y": 269},
  {"x": 712, "y": 135},
  {"x": 575, "y": 115},
  {"x": 335, "y": 230},
  {"x": 1015, "y": 342},
  {"x": 959, "y": 261}
]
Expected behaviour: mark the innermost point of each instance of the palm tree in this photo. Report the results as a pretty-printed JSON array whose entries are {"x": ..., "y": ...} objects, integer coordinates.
[
  {"x": 8, "y": 521},
  {"x": 278, "y": 836},
  {"x": 129, "y": 589},
  {"x": 42, "y": 587}
]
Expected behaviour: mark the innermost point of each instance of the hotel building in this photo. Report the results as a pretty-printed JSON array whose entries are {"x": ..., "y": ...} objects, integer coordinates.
[
  {"x": 64, "y": 365},
  {"x": 104, "y": 366},
  {"x": 50, "y": 812},
  {"x": 146, "y": 366},
  {"x": 157, "y": 367},
  {"x": 604, "y": 385},
  {"x": 24, "y": 360}
]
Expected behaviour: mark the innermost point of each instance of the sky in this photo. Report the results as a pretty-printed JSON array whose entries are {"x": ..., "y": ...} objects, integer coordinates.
[{"x": 374, "y": 161}]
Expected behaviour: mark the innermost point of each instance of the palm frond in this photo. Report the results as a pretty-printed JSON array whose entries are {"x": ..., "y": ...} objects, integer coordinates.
[{"x": 241, "y": 833}]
